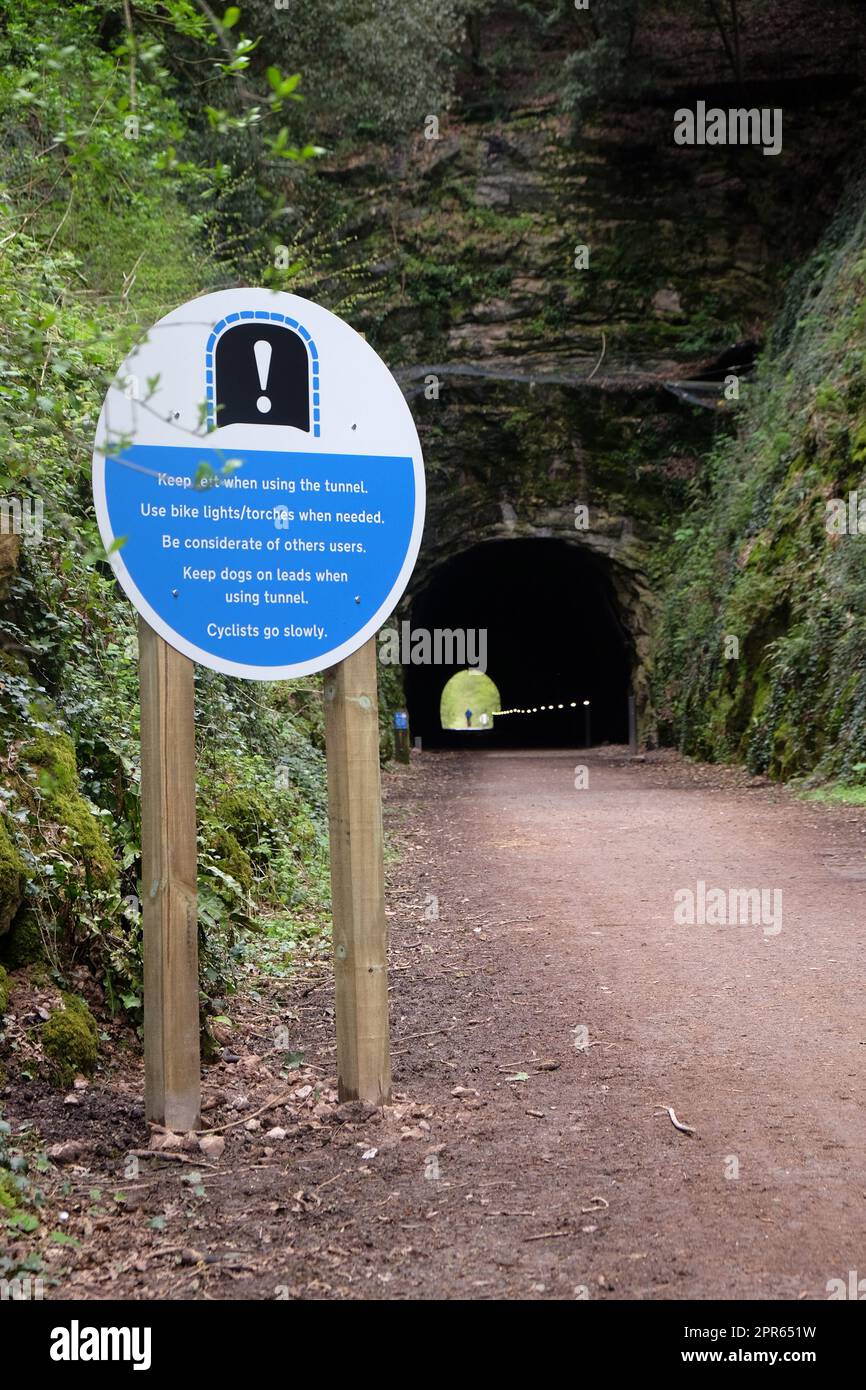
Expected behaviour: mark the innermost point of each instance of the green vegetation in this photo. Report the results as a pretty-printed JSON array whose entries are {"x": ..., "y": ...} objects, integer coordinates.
[
  {"x": 754, "y": 561},
  {"x": 371, "y": 67},
  {"x": 838, "y": 793},
  {"x": 127, "y": 189},
  {"x": 20, "y": 1202},
  {"x": 471, "y": 690},
  {"x": 13, "y": 876},
  {"x": 152, "y": 153}
]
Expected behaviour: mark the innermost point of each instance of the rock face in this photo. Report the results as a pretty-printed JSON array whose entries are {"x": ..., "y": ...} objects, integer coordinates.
[{"x": 538, "y": 288}]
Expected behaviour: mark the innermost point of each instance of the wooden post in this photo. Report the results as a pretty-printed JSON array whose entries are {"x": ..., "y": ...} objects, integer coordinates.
[
  {"x": 358, "y": 878},
  {"x": 401, "y": 738},
  {"x": 168, "y": 884},
  {"x": 632, "y": 723}
]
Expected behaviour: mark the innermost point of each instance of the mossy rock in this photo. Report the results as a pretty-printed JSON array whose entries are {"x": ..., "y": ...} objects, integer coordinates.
[
  {"x": 22, "y": 944},
  {"x": 53, "y": 755},
  {"x": 232, "y": 858},
  {"x": 5, "y": 991},
  {"x": 70, "y": 1041},
  {"x": 246, "y": 816},
  {"x": 13, "y": 879}
]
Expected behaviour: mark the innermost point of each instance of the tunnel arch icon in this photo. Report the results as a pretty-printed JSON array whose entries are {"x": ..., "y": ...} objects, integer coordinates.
[{"x": 262, "y": 367}]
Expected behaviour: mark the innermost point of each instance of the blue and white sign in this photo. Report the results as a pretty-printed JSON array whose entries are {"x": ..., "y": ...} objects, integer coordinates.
[{"x": 259, "y": 484}]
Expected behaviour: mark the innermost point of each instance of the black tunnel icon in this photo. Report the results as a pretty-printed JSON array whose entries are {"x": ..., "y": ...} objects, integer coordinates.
[{"x": 262, "y": 376}]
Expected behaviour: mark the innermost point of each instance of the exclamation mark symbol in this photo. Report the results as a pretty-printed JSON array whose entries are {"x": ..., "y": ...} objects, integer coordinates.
[{"x": 263, "y": 353}]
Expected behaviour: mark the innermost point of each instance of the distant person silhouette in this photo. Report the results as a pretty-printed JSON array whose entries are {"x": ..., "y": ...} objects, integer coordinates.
[{"x": 469, "y": 719}]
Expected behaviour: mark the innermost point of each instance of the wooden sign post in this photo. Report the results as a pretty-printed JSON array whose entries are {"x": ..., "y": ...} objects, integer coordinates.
[
  {"x": 263, "y": 513},
  {"x": 401, "y": 736},
  {"x": 358, "y": 878},
  {"x": 168, "y": 884}
]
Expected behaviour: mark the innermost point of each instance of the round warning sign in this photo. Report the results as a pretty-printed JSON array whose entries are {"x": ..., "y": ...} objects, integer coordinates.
[{"x": 258, "y": 484}]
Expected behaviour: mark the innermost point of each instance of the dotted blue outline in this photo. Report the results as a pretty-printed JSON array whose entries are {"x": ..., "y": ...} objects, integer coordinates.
[{"x": 272, "y": 317}]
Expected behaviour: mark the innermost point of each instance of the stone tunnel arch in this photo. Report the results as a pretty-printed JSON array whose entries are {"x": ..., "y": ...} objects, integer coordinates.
[{"x": 561, "y": 625}]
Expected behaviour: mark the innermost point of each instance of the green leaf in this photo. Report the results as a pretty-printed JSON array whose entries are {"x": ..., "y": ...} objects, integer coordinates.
[
  {"x": 61, "y": 1238},
  {"x": 231, "y": 17},
  {"x": 24, "y": 1221},
  {"x": 204, "y": 476}
]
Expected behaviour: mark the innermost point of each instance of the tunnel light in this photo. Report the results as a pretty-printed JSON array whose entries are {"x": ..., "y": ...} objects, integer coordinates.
[
  {"x": 573, "y": 705},
  {"x": 586, "y": 702},
  {"x": 560, "y": 706}
]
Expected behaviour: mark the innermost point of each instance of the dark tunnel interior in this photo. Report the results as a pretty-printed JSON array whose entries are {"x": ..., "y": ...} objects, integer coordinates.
[{"x": 554, "y": 636}]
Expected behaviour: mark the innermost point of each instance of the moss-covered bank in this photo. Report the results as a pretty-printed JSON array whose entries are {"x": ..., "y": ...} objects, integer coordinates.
[{"x": 761, "y": 649}]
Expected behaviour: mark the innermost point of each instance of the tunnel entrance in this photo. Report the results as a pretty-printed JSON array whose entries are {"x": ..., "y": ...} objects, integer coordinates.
[{"x": 554, "y": 637}]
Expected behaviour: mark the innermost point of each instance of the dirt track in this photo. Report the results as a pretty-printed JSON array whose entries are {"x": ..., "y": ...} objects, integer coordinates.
[{"x": 555, "y": 913}]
